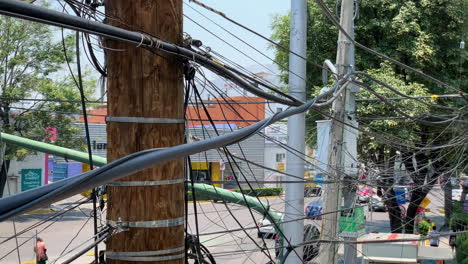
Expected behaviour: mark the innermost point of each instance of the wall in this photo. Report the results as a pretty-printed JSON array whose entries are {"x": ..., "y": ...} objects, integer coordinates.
[
  {"x": 252, "y": 147},
  {"x": 35, "y": 161}
]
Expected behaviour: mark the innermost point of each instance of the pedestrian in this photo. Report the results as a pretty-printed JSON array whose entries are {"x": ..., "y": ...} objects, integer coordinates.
[
  {"x": 41, "y": 251},
  {"x": 452, "y": 240},
  {"x": 434, "y": 237}
]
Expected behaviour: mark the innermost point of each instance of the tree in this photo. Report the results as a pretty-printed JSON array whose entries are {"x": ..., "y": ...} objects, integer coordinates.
[
  {"x": 31, "y": 65},
  {"x": 423, "y": 34}
]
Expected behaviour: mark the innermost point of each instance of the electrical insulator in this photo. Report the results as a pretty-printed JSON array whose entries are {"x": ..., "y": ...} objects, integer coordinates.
[{"x": 462, "y": 44}]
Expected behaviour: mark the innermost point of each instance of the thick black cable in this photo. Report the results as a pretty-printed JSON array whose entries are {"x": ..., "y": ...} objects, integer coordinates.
[
  {"x": 88, "y": 140},
  {"x": 198, "y": 97},
  {"x": 105, "y": 236},
  {"x": 230, "y": 164},
  {"x": 139, "y": 160},
  {"x": 43, "y": 15}
]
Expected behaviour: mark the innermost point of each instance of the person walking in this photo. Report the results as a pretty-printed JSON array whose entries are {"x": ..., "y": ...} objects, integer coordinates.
[
  {"x": 41, "y": 251},
  {"x": 434, "y": 237}
]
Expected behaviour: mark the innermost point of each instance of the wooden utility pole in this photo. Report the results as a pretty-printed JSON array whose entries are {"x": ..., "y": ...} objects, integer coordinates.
[{"x": 145, "y": 85}]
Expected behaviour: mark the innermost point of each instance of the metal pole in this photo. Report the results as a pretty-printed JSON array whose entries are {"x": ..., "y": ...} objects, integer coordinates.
[
  {"x": 342, "y": 155},
  {"x": 350, "y": 134},
  {"x": 294, "y": 204}
]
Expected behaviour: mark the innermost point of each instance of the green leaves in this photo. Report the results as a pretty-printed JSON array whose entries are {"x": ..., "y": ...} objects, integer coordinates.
[
  {"x": 32, "y": 65},
  {"x": 423, "y": 34}
]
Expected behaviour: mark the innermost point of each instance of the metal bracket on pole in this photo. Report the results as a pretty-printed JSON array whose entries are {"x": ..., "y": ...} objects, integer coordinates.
[
  {"x": 146, "y": 224},
  {"x": 127, "y": 257},
  {"x": 144, "y": 120},
  {"x": 146, "y": 183},
  {"x": 328, "y": 64}
]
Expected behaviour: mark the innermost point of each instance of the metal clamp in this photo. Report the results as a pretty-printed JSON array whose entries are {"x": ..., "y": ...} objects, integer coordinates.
[
  {"x": 112, "y": 254},
  {"x": 147, "y": 224},
  {"x": 144, "y": 120},
  {"x": 139, "y": 259},
  {"x": 146, "y": 183}
]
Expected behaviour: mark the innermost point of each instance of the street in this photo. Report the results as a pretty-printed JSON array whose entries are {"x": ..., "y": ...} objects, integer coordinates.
[{"x": 214, "y": 219}]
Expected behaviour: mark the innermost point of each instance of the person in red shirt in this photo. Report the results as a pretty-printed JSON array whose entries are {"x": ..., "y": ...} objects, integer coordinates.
[{"x": 40, "y": 250}]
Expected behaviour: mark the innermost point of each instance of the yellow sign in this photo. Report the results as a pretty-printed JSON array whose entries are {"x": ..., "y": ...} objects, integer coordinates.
[
  {"x": 425, "y": 202},
  {"x": 199, "y": 165},
  {"x": 280, "y": 166},
  {"x": 85, "y": 167}
]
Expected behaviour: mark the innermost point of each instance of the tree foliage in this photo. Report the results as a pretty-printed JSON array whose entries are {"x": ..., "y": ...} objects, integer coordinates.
[
  {"x": 423, "y": 34},
  {"x": 32, "y": 66}
]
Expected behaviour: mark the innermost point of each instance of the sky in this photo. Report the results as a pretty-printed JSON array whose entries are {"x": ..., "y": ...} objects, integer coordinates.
[{"x": 255, "y": 14}]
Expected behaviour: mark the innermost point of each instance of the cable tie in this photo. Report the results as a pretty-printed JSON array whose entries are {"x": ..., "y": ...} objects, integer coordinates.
[
  {"x": 142, "y": 39},
  {"x": 158, "y": 44}
]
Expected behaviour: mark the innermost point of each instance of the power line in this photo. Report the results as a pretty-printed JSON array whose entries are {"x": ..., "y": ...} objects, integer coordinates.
[
  {"x": 433, "y": 97},
  {"x": 47, "y": 16},
  {"x": 328, "y": 14}
]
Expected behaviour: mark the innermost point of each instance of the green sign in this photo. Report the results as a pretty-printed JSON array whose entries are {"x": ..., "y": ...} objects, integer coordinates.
[{"x": 30, "y": 179}]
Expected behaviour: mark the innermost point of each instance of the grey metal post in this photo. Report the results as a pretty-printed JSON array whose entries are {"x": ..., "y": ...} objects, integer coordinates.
[
  {"x": 296, "y": 131},
  {"x": 350, "y": 134},
  {"x": 343, "y": 150}
]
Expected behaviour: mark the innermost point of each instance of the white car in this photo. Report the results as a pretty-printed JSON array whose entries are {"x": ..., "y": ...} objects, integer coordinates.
[
  {"x": 266, "y": 229},
  {"x": 456, "y": 194}
]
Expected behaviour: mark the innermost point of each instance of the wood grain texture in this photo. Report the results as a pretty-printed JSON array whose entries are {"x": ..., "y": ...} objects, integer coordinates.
[{"x": 143, "y": 84}]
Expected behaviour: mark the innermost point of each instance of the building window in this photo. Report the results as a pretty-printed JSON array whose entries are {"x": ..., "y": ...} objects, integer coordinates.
[{"x": 280, "y": 157}]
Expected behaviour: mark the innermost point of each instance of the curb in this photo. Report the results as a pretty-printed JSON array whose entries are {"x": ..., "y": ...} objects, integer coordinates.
[
  {"x": 41, "y": 211},
  {"x": 212, "y": 201}
]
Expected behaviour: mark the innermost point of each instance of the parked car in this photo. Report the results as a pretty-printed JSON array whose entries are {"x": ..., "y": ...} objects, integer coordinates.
[
  {"x": 456, "y": 194},
  {"x": 312, "y": 189},
  {"x": 311, "y": 250},
  {"x": 266, "y": 229},
  {"x": 314, "y": 209},
  {"x": 364, "y": 194},
  {"x": 377, "y": 205}
]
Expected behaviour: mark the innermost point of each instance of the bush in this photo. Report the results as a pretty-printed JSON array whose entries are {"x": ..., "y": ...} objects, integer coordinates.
[
  {"x": 459, "y": 219},
  {"x": 199, "y": 196},
  {"x": 424, "y": 228},
  {"x": 275, "y": 191},
  {"x": 462, "y": 248}
]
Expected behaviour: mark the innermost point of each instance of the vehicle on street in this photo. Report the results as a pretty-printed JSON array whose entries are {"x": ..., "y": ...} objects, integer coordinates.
[
  {"x": 364, "y": 195},
  {"x": 314, "y": 209},
  {"x": 311, "y": 249},
  {"x": 266, "y": 229},
  {"x": 312, "y": 188},
  {"x": 376, "y": 204}
]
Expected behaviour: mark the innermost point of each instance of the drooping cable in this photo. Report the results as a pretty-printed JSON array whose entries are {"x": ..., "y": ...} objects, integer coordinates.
[{"x": 88, "y": 140}]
